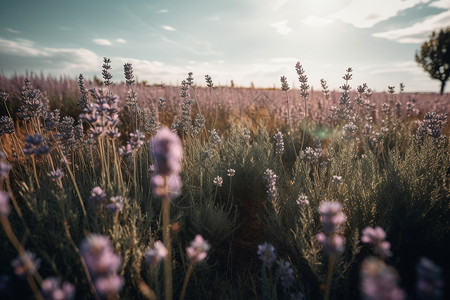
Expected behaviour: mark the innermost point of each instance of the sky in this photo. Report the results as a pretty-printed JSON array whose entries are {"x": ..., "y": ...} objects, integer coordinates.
[{"x": 247, "y": 41}]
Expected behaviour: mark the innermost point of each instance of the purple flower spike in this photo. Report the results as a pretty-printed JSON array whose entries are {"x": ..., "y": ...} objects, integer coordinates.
[
  {"x": 376, "y": 236},
  {"x": 53, "y": 290},
  {"x": 430, "y": 282},
  {"x": 4, "y": 204},
  {"x": 378, "y": 281},
  {"x": 116, "y": 204},
  {"x": 110, "y": 285},
  {"x": 156, "y": 253},
  {"x": 198, "y": 249},
  {"x": 173, "y": 186},
  {"x": 332, "y": 219},
  {"x": 26, "y": 265},
  {"x": 98, "y": 195},
  {"x": 167, "y": 152},
  {"x": 266, "y": 253}
]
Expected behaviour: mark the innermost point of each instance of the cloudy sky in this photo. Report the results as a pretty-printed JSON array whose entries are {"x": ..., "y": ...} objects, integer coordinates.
[{"x": 241, "y": 40}]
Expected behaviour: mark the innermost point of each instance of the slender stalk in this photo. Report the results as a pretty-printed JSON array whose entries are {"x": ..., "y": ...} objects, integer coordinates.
[
  {"x": 186, "y": 279},
  {"x": 330, "y": 276},
  {"x": 167, "y": 243},
  {"x": 86, "y": 271}
]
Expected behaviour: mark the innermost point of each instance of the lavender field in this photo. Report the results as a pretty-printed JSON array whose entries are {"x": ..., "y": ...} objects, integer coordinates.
[{"x": 116, "y": 189}]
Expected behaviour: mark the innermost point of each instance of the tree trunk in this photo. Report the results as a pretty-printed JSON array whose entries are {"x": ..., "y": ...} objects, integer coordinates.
[{"x": 443, "y": 86}]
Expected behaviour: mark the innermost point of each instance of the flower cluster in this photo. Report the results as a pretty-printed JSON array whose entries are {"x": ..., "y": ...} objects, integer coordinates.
[
  {"x": 302, "y": 200},
  {"x": 34, "y": 103},
  {"x": 271, "y": 180},
  {"x": 103, "y": 116},
  {"x": 4, "y": 204},
  {"x": 432, "y": 125},
  {"x": 266, "y": 253},
  {"x": 167, "y": 152},
  {"x": 6, "y": 125},
  {"x": 377, "y": 237},
  {"x": 332, "y": 218},
  {"x": 115, "y": 205},
  {"x": 379, "y": 281},
  {"x": 156, "y": 253},
  {"x": 209, "y": 82},
  {"x": 304, "y": 87},
  {"x": 35, "y": 145},
  {"x": 214, "y": 138},
  {"x": 430, "y": 282},
  {"x": 284, "y": 84},
  {"x": 105, "y": 72},
  {"x": 103, "y": 264},
  {"x": 311, "y": 155},
  {"x": 279, "y": 143},
  {"x": 231, "y": 172},
  {"x": 26, "y": 265},
  {"x": 218, "y": 181},
  {"x": 287, "y": 276},
  {"x": 55, "y": 175},
  {"x": 337, "y": 179},
  {"x": 84, "y": 100},
  {"x": 198, "y": 249},
  {"x": 52, "y": 289}
]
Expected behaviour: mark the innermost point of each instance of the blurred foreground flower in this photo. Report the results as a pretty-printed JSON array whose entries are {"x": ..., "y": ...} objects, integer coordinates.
[
  {"x": 198, "y": 249},
  {"x": 53, "y": 290},
  {"x": 156, "y": 253},
  {"x": 26, "y": 265},
  {"x": 332, "y": 218},
  {"x": 377, "y": 237},
  {"x": 430, "y": 283},
  {"x": 266, "y": 253},
  {"x": 379, "y": 281}
]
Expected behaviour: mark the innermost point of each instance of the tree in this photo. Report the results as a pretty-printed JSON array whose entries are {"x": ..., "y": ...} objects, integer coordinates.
[{"x": 434, "y": 56}]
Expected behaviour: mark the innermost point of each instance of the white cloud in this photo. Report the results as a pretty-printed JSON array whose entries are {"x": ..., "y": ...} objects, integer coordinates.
[
  {"x": 162, "y": 11},
  {"x": 120, "y": 41},
  {"x": 74, "y": 59},
  {"x": 444, "y": 4},
  {"x": 365, "y": 14},
  {"x": 102, "y": 42},
  {"x": 282, "y": 27},
  {"x": 279, "y": 3},
  {"x": 168, "y": 28},
  {"x": 418, "y": 32},
  {"x": 12, "y": 30},
  {"x": 20, "y": 47},
  {"x": 315, "y": 21}
]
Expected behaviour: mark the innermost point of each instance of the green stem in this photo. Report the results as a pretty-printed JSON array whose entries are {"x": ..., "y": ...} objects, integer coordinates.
[
  {"x": 167, "y": 243},
  {"x": 330, "y": 276},
  {"x": 186, "y": 279}
]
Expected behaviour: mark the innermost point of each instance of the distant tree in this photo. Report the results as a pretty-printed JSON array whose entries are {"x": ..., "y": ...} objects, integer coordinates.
[{"x": 434, "y": 56}]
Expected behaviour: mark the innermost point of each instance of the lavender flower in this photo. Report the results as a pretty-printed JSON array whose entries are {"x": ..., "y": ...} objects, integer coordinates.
[
  {"x": 6, "y": 125},
  {"x": 98, "y": 195},
  {"x": 4, "y": 204},
  {"x": 215, "y": 138},
  {"x": 337, "y": 179},
  {"x": 105, "y": 72},
  {"x": 209, "y": 82},
  {"x": 218, "y": 181},
  {"x": 35, "y": 145},
  {"x": 128, "y": 70},
  {"x": 377, "y": 237},
  {"x": 3, "y": 97},
  {"x": 53, "y": 290},
  {"x": 198, "y": 249},
  {"x": 116, "y": 204},
  {"x": 302, "y": 200},
  {"x": 284, "y": 84},
  {"x": 26, "y": 265},
  {"x": 109, "y": 285},
  {"x": 311, "y": 155},
  {"x": 231, "y": 172},
  {"x": 84, "y": 100},
  {"x": 167, "y": 152},
  {"x": 266, "y": 253},
  {"x": 332, "y": 218},
  {"x": 271, "y": 180},
  {"x": 279, "y": 143},
  {"x": 55, "y": 175},
  {"x": 156, "y": 253},
  {"x": 99, "y": 256},
  {"x": 430, "y": 282},
  {"x": 286, "y": 275},
  {"x": 4, "y": 169},
  {"x": 378, "y": 281},
  {"x": 173, "y": 186},
  {"x": 304, "y": 87}
]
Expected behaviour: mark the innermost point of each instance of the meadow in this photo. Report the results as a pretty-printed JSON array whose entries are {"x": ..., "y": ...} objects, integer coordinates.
[{"x": 116, "y": 189}]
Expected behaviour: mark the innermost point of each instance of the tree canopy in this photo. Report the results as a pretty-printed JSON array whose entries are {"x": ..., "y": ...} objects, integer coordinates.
[{"x": 434, "y": 56}]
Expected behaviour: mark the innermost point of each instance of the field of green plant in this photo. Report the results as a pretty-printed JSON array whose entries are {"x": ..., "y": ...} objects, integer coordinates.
[{"x": 120, "y": 190}]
